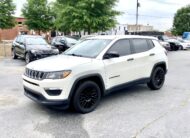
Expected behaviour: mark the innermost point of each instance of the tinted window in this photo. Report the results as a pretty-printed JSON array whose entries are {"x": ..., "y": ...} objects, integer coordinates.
[
  {"x": 140, "y": 45},
  {"x": 122, "y": 47},
  {"x": 151, "y": 44}
]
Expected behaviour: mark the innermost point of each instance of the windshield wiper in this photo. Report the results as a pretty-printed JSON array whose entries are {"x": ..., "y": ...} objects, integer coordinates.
[{"x": 76, "y": 55}]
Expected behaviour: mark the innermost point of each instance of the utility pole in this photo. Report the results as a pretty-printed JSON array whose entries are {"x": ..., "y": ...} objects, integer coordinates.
[{"x": 137, "y": 15}]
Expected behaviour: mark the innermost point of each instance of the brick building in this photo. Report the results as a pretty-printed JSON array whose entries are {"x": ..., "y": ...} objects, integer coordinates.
[{"x": 10, "y": 34}]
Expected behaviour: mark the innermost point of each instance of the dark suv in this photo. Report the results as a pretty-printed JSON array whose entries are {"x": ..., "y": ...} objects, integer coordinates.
[
  {"x": 31, "y": 48},
  {"x": 63, "y": 43}
]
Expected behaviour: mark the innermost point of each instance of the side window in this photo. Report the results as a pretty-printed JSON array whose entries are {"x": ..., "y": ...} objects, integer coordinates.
[
  {"x": 140, "y": 45},
  {"x": 122, "y": 47},
  {"x": 151, "y": 44}
]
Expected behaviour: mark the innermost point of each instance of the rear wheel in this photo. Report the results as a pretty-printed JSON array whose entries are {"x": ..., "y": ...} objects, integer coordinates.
[
  {"x": 87, "y": 97},
  {"x": 157, "y": 79},
  {"x": 14, "y": 56}
]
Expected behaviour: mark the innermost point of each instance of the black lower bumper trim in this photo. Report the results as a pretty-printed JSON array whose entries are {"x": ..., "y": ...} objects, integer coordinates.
[{"x": 39, "y": 98}]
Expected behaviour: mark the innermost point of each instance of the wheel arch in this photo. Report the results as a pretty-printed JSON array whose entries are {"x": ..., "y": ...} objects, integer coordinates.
[
  {"x": 160, "y": 64},
  {"x": 97, "y": 78}
]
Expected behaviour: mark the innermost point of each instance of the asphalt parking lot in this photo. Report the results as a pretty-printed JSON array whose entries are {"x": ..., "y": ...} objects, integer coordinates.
[{"x": 136, "y": 112}]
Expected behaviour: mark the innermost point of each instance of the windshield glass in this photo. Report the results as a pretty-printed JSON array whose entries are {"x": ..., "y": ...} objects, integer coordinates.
[
  {"x": 35, "y": 41},
  {"x": 88, "y": 48},
  {"x": 71, "y": 40}
]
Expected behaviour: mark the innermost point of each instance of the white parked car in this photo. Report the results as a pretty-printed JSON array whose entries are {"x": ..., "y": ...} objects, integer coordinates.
[
  {"x": 166, "y": 45},
  {"x": 181, "y": 43},
  {"x": 93, "y": 68},
  {"x": 185, "y": 43}
]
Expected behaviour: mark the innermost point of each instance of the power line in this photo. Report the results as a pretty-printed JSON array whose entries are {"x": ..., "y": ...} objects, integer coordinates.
[
  {"x": 168, "y": 3},
  {"x": 144, "y": 15}
]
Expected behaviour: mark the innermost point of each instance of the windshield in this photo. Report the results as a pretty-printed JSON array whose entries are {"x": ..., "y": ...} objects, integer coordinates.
[
  {"x": 88, "y": 48},
  {"x": 35, "y": 41},
  {"x": 71, "y": 40}
]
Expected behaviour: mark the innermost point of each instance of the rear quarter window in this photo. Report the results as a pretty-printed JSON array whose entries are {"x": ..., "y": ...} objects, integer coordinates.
[{"x": 151, "y": 44}]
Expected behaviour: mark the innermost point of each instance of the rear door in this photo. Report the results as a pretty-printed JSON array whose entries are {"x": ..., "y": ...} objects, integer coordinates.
[
  {"x": 119, "y": 70},
  {"x": 143, "y": 57}
]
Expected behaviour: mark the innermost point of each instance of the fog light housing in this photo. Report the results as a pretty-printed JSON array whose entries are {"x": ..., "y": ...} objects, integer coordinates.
[{"x": 53, "y": 91}]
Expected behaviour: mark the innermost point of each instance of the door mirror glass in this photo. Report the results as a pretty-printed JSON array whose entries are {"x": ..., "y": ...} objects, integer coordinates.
[
  {"x": 63, "y": 42},
  {"x": 21, "y": 43},
  {"x": 111, "y": 54}
]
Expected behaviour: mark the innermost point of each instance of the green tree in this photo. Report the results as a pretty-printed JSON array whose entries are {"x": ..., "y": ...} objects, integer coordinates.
[
  {"x": 39, "y": 15},
  {"x": 85, "y": 15},
  {"x": 181, "y": 21},
  {"x": 6, "y": 14}
]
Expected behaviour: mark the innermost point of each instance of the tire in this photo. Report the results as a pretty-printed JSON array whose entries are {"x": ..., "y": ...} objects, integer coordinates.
[
  {"x": 14, "y": 56},
  {"x": 27, "y": 58},
  {"x": 181, "y": 48},
  {"x": 86, "y": 97},
  {"x": 157, "y": 79}
]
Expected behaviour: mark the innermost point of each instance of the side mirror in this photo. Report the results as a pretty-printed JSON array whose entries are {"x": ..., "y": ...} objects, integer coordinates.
[
  {"x": 63, "y": 42},
  {"x": 111, "y": 54}
]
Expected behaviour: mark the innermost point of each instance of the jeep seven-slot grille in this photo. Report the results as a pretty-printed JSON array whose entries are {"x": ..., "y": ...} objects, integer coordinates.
[{"x": 38, "y": 75}]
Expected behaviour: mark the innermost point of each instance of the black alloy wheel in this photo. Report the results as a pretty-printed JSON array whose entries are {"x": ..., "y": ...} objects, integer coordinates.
[
  {"x": 180, "y": 47},
  {"x": 157, "y": 79},
  {"x": 27, "y": 58},
  {"x": 87, "y": 97}
]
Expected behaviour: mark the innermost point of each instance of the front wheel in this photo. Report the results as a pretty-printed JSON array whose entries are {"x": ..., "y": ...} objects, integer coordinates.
[
  {"x": 87, "y": 97},
  {"x": 157, "y": 79},
  {"x": 181, "y": 48},
  {"x": 27, "y": 58}
]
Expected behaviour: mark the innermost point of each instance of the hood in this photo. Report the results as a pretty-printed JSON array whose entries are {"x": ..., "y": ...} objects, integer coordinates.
[
  {"x": 57, "y": 63},
  {"x": 39, "y": 47}
]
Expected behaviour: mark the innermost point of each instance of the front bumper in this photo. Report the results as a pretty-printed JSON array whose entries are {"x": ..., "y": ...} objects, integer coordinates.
[
  {"x": 36, "y": 89},
  {"x": 39, "y": 98}
]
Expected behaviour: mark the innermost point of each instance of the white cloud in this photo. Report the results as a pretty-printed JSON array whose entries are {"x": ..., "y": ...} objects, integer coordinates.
[{"x": 158, "y": 13}]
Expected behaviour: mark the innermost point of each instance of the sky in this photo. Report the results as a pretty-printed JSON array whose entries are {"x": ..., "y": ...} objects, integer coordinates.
[{"x": 158, "y": 13}]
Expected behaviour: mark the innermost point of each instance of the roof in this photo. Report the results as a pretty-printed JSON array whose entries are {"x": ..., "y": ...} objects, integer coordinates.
[
  {"x": 31, "y": 36},
  {"x": 121, "y": 37}
]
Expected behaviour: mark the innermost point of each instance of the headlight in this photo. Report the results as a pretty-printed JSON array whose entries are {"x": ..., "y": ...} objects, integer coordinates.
[
  {"x": 56, "y": 51},
  {"x": 58, "y": 75},
  {"x": 33, "y": 51}
]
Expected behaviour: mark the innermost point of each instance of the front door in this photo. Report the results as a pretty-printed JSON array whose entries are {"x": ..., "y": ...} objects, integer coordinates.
[{"x": 119, "y": 70}]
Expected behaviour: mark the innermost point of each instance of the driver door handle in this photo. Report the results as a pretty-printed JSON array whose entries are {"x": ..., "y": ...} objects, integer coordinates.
[
  {"x": 130, "y": 59},
  {"x": 152, "y": 54}
]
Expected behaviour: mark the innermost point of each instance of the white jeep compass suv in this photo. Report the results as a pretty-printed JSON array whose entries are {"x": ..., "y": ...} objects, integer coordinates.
[{"x": 95, "y": 67}]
